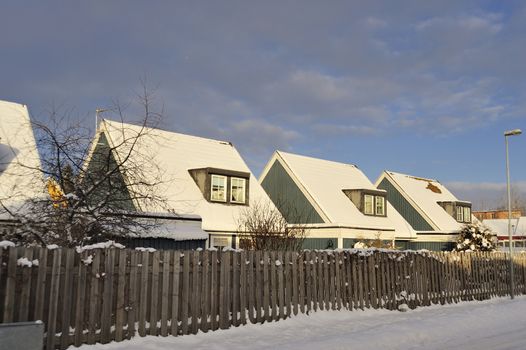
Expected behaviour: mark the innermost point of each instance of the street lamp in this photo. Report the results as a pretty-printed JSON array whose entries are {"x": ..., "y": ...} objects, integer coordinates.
[{"x": 512, "y": 281}]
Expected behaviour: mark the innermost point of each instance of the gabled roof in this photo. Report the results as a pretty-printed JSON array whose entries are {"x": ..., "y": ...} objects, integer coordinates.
[
  {"x": 20, "y": 178},
  {"x": 425, "y": 195},
  {"x": 175, "y": 154},
  {"x": 500, "y": 226},
  {"x": 323, "y": 182}
]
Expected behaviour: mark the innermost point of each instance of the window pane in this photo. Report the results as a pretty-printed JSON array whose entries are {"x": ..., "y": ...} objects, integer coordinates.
[
  {"x": 237, "y": 190},
  {"x": 460, "y": 214},
  {"x": 220, "y": 242},
  {"x": 380, "y": 205},
  {"x": 218, "y": 188},
  {"x": 368, "y": 204},
  {"x": 467, "y": 214}
]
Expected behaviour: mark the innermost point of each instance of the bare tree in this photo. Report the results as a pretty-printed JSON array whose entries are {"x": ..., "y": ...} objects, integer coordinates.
[
  {"x": 265, "y": 228},
  {"x": 518, "y": 199},
  {"x": 96, "y": 185}
]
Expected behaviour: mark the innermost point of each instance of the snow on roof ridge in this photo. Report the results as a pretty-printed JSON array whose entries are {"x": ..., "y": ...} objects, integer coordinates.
[
  {"x": 411, "y": 176},
  {"x": 23, "y": 105},
  {"x": 113, "y": 122},
  {"x": 316, "y": 159}
]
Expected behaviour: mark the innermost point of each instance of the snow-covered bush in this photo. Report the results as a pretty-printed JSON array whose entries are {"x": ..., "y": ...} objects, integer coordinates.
[
  {"x": 475, "y": 237},
  {"x": 360, "y": 245}
]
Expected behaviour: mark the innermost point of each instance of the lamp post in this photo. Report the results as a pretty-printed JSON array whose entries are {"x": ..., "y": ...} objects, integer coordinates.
[{"x": 512, "y": 280}]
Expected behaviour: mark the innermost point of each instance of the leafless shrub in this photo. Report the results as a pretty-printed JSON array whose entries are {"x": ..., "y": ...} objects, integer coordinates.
[{"x": 266, "y": 229}]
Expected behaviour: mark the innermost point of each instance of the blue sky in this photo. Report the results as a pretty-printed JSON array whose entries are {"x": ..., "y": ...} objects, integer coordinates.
[{"x": 419, "y": 87}]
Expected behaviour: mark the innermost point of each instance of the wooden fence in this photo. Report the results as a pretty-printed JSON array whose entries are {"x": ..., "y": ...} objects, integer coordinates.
[{"x": 111, "y": 294}]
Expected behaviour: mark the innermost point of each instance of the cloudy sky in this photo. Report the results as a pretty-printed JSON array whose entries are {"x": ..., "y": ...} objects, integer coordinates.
[{"x": 419, "y": 87}]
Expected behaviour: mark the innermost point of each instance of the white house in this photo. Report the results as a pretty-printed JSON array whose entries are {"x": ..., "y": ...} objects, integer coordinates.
[
  {"x": 500, "y": 228},
  {"x": 336, "y": 201},
  {"x": 20, "y": 178},
  {"x": 201, "y": 176},
  {"x": 429, "y": 207}
]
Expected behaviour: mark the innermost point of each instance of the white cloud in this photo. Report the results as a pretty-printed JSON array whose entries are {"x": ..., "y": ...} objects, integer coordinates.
[
  {"x": 339, "y": 130},
  {"x": 487, "y": 195},
  {"x": 375, "y": 23},
  {"x": 489, "y": 22}
]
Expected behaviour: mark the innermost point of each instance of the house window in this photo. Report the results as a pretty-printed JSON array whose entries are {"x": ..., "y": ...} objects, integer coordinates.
[
  {"x": 467, "y": 214},
  {"x": 368, "y": 204},
  {"x": 460, "y": 214},
  {"x": 237, "y": 190},
  {"x": 218, "y": 188},
  {"x": 380, "y": 205},
  {"x": 220, "y": 242}
]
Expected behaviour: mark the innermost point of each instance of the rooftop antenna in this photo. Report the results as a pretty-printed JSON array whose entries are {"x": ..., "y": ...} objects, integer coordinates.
[{"x": 97, "y": 112}]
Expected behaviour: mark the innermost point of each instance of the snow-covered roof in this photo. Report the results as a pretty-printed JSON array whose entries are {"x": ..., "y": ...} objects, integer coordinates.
[
  {"x": 179, "y": 230},
  {"x": 425, "y": 195},
  {"x": 323, "y": 182},
  {"x": 175, "y": 154},
  {"x": 500, "y": 226},
  {"x": 19, "y": 160}
]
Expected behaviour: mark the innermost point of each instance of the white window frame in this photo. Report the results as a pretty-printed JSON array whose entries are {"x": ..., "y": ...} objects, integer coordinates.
[
  {"x": 232, "y": 190},
  {"x": 460, "y": 214},
  {"x": 365, "y": 204},
  {"x": 212, "y": 188},
  {"x": 215, "y": 239},
  {"x": 376, "y": 200},
  {"x": 467, "y": 214}
]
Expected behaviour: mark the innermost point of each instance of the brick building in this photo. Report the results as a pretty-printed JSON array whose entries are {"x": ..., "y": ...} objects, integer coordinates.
[{"x": 496, "y": 214}]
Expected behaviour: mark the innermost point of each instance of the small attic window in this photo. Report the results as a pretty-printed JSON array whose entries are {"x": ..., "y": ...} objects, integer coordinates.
[
  {"x": 380, "y": 205},
  {"x": 218, "y": 188},
  {"x": 369, "y": 202},
  {"x": 460, "y": 211},
  {"x": 222, "y": 186},
  {"x": 237, "y": 190}
]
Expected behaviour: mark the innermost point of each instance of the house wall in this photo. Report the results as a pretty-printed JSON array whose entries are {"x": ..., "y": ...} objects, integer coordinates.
[
  {"x": 288, "y": 198},
  {"x": 99, "y": 163},
  {"x": 341, "y": 237},
  {"x": 417, "y": 245},
  {"x": 161, "y": 243},
  {"x": 408, "y": 212},
  {"x": 320, "y": 243}
]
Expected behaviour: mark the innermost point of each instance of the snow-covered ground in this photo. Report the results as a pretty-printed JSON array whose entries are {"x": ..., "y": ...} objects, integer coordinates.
[{"x": 493, "y": 324}]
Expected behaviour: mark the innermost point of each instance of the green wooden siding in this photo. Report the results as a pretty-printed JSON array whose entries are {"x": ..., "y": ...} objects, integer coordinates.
[
  {"x": 102, "y": 161},
  {"x": 288, "y": 198},
  {"x": 408, "y": 212},
  {"x": 349, "y": 242},
  {"x": 320, "y": 243},
  {"x": 162, "y": 243},
  {"x": 433, "y": 246}
]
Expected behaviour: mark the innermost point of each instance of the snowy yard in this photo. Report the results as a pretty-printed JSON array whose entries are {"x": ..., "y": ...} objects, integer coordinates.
[{"x": 493, "y": 324}]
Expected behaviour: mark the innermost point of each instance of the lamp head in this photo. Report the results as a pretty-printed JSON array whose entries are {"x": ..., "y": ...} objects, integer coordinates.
[{"x": 513, "y": 132}]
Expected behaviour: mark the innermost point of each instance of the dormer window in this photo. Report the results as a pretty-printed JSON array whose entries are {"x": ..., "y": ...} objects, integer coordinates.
[
  {"x": 222, "y": 186},
  {"x": 460, "y": 211},
  {"x": 237, "y": 190},
  {"x": 380, "y": 205},
  {"x": 218, "y": 188},
  {"x": 369, "y": 202},
  {"x": 466, "y": 213}
]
